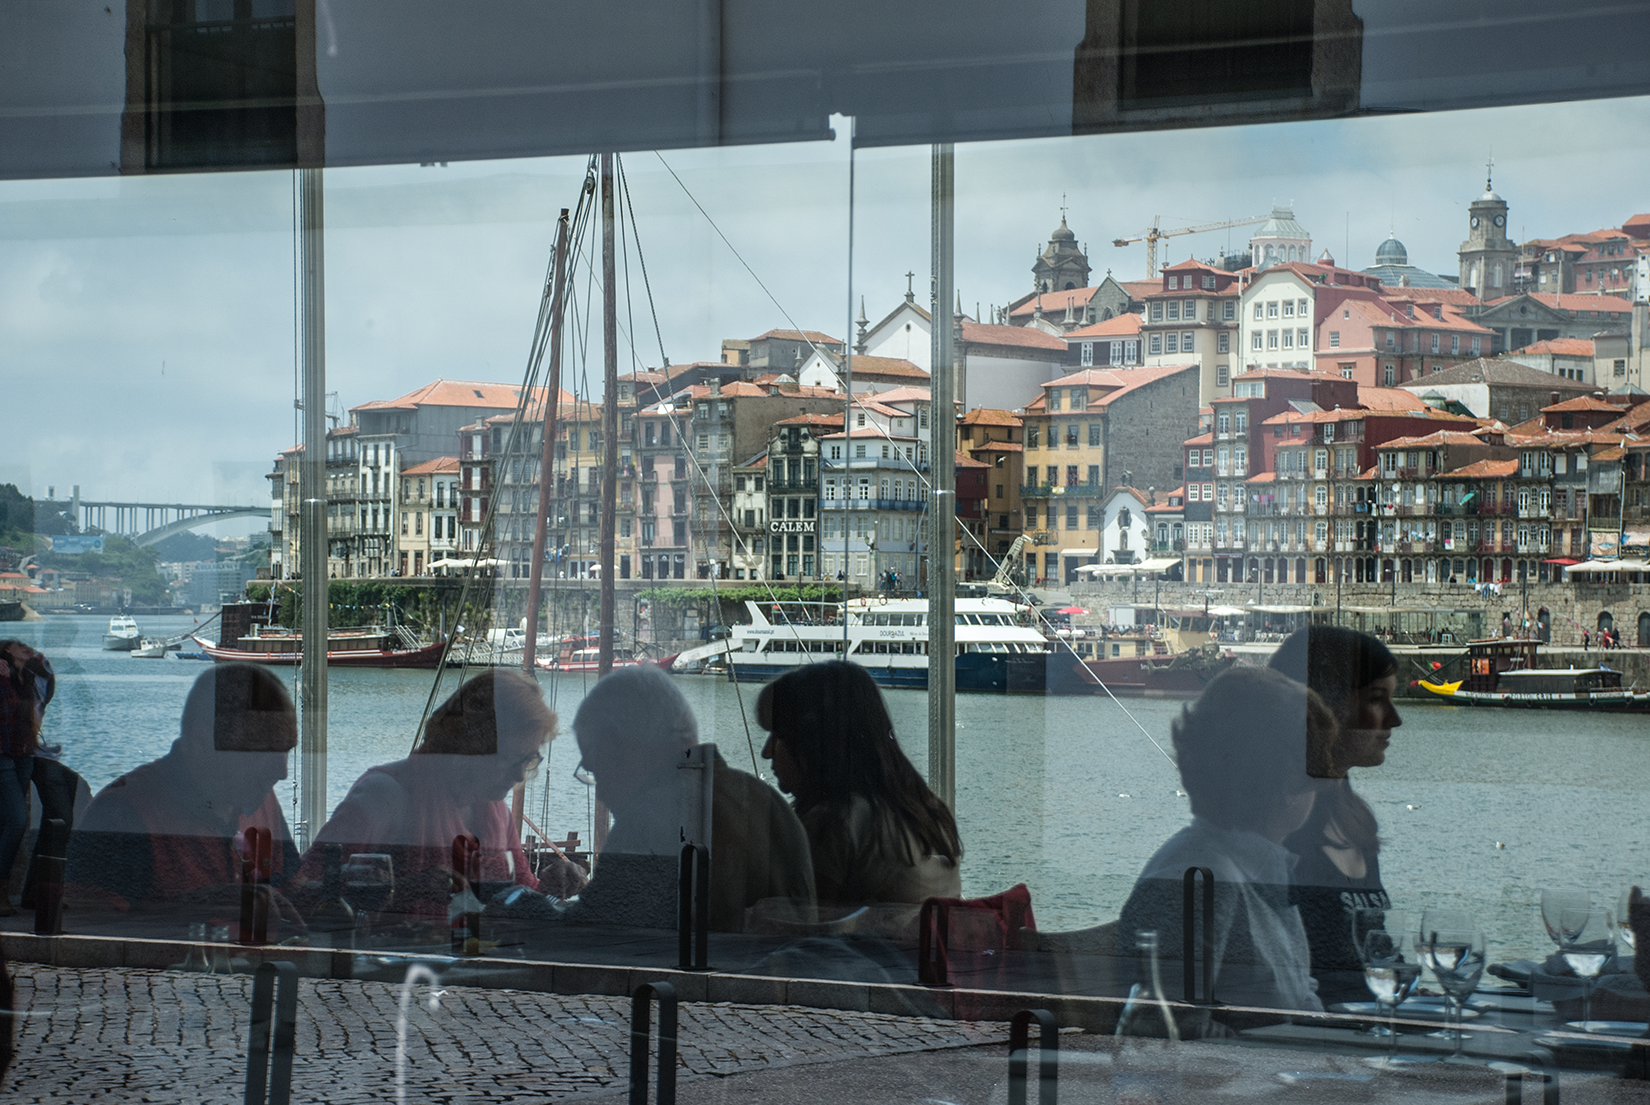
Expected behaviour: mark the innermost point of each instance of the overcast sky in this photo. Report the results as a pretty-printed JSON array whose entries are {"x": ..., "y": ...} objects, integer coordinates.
[{"x": 147, "y": 323}]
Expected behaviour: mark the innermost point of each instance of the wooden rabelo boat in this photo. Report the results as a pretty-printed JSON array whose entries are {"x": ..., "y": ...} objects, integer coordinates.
[{"x": 1503, "y": 672}]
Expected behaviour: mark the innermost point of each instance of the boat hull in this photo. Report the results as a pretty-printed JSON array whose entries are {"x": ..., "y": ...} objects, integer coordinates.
[
  {"x": 427, "y": 656},
  {"x": 977, "y": 673},
  {"x": 1612, "y": 701},
  {"x": 116, "y": 643},
  {"x": 1153, "y": 676}
]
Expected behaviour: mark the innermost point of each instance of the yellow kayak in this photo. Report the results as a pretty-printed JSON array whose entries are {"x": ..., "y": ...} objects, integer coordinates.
[{"x": 1442, "y": 690}]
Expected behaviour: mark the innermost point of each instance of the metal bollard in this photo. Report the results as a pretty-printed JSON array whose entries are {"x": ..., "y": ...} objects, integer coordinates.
[
  {"x": 641, "y": 1005},
  {"x": 274, "y": 991},
  {"x": 933, "y": 958},
  {"x": 255, "y": 872},
  {"x": 48, "y": 893},
  {"x": 1048, "y": 1056},
  {"x": 466, "y": 930},
  {"x": 693, "y": 915},
  {"x": 1188, "y": 961},
  {"x": 1542, "y": 1069}
]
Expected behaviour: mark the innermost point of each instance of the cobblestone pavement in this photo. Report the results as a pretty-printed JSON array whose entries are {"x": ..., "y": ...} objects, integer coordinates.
[{"x": 92, "y": 1036}]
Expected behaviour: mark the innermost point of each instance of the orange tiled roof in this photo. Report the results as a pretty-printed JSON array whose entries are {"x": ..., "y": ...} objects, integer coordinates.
[
  {"x": 1126, "y": 325},
  {"x": 797, "y": 335},
  {"x": 988, "y": 416},
  {"x": 459, "y": 393},
  {"x": 867, "y": 365},
  {"x": 1584, "y": 403},
  {"x": 1025, "y": 337},
  {"x": 1054, "y": 301},
  {"x": 1484, "y": 469},
  {"x": 1564, "y": 347},
  {"x": 1437, "y": 437},
  {"x": 438, "y": 466}
]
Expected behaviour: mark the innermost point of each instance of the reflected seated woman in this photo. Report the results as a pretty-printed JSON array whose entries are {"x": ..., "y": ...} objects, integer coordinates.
[
  {"x": 878, "y": 835},
  {"x": 1243, "y": 750},
  {"x": 477, "y": 745}
]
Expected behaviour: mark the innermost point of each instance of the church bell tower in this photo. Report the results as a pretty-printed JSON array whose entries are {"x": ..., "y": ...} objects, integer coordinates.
[{"x": 1487, "y": 257}]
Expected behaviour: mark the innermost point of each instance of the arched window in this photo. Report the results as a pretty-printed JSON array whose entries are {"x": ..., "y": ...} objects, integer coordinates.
[
  {"x": 1606, "y": 621},
  {"x": 1644, "y": 629}
]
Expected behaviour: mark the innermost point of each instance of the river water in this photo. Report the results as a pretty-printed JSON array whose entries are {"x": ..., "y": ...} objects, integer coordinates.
[{"x": 1479, "y": 809}]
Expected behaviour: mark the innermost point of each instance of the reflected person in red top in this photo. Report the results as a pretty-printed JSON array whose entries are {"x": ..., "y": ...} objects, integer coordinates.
[
  {"x": 477, "y": 745},
  {"x": 170, "y": 835}
]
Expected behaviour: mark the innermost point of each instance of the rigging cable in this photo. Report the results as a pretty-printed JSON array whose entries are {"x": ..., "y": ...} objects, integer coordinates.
[
  {"x": 855, "y": 400},
  {"x": 715, "y": 595}
]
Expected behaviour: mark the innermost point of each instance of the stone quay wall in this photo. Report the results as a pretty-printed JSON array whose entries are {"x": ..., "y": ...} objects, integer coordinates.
[{"x": 1572, "y": 606}]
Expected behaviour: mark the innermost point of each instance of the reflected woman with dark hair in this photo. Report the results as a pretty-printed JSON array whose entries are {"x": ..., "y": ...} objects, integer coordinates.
[
  {"x": 877, "y": 833},
  {"x": 1339, "y": 849}
]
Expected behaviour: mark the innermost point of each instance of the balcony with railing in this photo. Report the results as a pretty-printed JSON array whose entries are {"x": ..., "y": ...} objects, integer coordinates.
[
  {"x": 873, "y": 504},
  {"x": 1077, "y": 490}
]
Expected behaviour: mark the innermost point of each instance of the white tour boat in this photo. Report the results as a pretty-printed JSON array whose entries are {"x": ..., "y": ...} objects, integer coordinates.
[
  {"x": 997, "y": 650},
  {"x": 122, "y": 634}
]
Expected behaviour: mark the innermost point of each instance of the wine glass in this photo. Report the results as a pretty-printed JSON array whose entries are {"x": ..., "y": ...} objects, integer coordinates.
[
  {"x": 1624, "y": 920},
  {"x": 1452, "y": 947},
  {"x": 369, "y": 881},
  {"x": 1554, "y": 904},
  {"x": 1590, "y": 944},
  {"x": 1379, "y": 936}
]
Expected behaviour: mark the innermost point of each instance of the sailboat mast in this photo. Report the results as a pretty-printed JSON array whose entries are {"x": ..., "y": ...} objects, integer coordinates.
[
  {"x": 942, "y": 500},
  {"x": 535, "y": 575},
  {"x": 610, "y": 416}
]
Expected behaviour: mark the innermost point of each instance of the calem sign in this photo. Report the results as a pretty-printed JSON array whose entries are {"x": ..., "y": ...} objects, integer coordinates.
[{"x": 74, "y": 546}]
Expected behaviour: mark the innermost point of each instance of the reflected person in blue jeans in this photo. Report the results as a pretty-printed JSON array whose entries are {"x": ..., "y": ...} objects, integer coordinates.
[{"x": 27, "y": 683}]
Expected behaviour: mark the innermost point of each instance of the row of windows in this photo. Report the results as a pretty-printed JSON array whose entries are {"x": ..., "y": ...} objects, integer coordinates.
[
  {"x": 1118, "y": 352},
  {"x": 1287, "y": 308},
  {"x": 1189, "y": 281},
  {"x": 1176, "y": 310},
  {"x": 1290, "y": 339},
  {"x": 1073, "y": 438}
]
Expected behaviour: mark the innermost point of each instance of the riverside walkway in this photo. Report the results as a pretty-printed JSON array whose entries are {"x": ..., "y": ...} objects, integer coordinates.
[{"x": 90, "y": 1036}]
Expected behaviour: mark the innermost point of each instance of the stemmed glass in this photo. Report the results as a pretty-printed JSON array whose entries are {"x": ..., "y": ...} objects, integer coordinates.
[
  {"x": 1624, "y": 920},
  {"x": 1379, "y": 936},
  {"x": 1452, "y": 947},
  {"x": 369, "y": 882},
  {"x": 1554, "y": 904},
  {"x": 1589, "y": 945}
]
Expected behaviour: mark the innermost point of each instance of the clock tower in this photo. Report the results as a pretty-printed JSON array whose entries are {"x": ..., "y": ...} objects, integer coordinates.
[{"x": 1487, "y": 256}]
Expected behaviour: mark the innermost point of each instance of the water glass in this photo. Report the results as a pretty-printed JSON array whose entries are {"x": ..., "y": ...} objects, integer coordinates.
[
  {"x": 1379, "y": 936},
  {"x": 1589, "y": 946},
  {"x": 1624, "y": 920},
  {"x": 1554, "y": 904},
  {"x": 1452, "y": 947},
  {"x": 369, "y": 881}
]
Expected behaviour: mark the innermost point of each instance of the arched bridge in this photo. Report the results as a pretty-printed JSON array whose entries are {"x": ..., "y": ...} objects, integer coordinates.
[{"x": 146, "y": 523}]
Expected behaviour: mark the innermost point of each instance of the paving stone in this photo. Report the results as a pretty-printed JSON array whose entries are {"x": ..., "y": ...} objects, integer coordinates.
[{"x": 101, "y": 1036}]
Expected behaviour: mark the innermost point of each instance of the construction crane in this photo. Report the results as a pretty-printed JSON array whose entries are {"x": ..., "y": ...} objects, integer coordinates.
[{"x": 1153, "y": 234}]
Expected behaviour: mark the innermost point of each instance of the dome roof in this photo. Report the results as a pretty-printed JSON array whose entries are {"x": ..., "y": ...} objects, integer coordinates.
[
  {"x": 1391, "y": 252},
  {"x": 1489, "y": 196},
  {"x": 1062, "y": 233}
]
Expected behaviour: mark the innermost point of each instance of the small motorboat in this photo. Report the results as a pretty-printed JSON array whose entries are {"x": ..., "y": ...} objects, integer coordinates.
[
  {"x": 122, "y": 634},
  {"x": 152, "y": 648}
]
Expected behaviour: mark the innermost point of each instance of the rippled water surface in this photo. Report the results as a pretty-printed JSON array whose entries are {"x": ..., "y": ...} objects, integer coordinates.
[{"x": 1479, "y": 809}]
